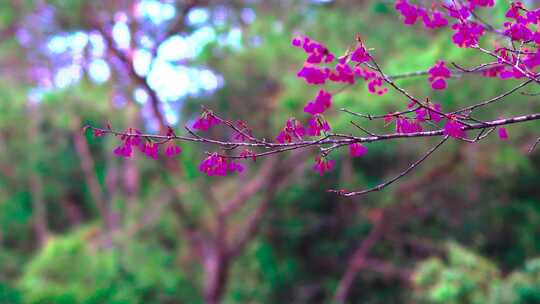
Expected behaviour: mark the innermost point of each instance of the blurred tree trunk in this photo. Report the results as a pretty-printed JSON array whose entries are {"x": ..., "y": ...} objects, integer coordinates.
[{"x": 39, "y": 210}]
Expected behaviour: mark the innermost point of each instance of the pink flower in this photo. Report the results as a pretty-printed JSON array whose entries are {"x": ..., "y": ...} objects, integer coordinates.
[
  {"x": 422, "y": 114},
  {"x": 409, "y": 11},
  {"x": 206, "y": 120},
  {"x": 357, "y": 150},
  {"x": 405, "y": 125},
  {"x": 375, "y": 82},
  {"x": 467, "y": 33},
  {"x": 483, "y": 3},
  {"x": 454, "y": 128},
  {"x": 313, "y": 75},
  {"x": 360, "y": 55},
  {"x": 322, "y": 102},
  {"x": 316, "y": 124},
  {"x": 343, "y": 73},
  {"x": 293, "y": 128},
  {"x": 218, "y": 165},
  {"x": 502, "y": 133},
  {"x": 323, "y": 165},
  {"x": 438, "y": 75},
  {"x": 150, "y": 149},
  {"x": 518, "y": 31},
  {"x": 437, "y": 20},
  {"x": 296, "y": 42}
]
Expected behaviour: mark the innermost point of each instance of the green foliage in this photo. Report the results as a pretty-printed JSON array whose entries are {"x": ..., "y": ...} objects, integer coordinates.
[
  {"x": 74, "y": 269},
  {"x": 465, "y": 277}
]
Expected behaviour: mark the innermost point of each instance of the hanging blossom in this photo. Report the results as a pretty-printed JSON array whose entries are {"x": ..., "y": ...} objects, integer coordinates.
[
  {"x": 216, "y": 165},
  {"x": 357, "y": 150},
  {"x": 374, "y": 81},
  {"x": 432, "y": 113},
  {"x": 467, "y": 34},
  {"x": 313, "y": 74},
  {"x": 321, "y": 103},
  {"x": 293, "y": 129},
  {"x": 316, "y": 125},
  {"x": 128, "y": 142},
  {"x": 502, "y": 133},
  {"x": 172, "y": 150},
  {"x": 482, "y": 3},
  {"x": 436, "y": 20},
  {"x": 409, "y": 11},
  {"x": 454, "y": 128},
  {"x": 438, "y": 75},
  {"x": 323, "y": 165},
  {"x": 343, "y": 72},
  {"x": 206, "y": 121}
]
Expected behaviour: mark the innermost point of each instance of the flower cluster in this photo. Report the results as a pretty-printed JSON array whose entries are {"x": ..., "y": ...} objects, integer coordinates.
[
  {"x": 438, "y": 75},
  {"x": 206, "y": 121},
  {"x": 293, "y": 129},
  {"x": 316, "y": 71},
  {"x": 216, "y": 165},
  {"x": 149, "y": 148}
]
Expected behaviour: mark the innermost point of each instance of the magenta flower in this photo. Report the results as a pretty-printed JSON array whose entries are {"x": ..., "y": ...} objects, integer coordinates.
[
  {"x": 502, "y": 133},
  {"x": 405, "y": 125},
  {"x": 343, "y": 73},
  {"x": 322, "y": 102},
  {"x": 124, "y": 150},
  {"x": 437, "y": 20},
  {"x": 438, "y": 75},
  {"x": 293, "y": 129},
  {"x": 313, "y": 74},
  {"x": 360, "y": 55},
  {"x": 483, "y": 3},
  {"x": 323, "y": 165},
  {"x": 423, "y": 114},
  {"x": 206, "y": 121},
  {"x": 218, "y": 165},
  {"x": 409, "y": 11},
  {"x": 316, "y": 124},
  {"x": 150, "y": 149},
  {"x": 467, "y": 34},
  {"x": 518, "y": 31},
  {"x": 454, "y": 128},
  {"x": 357, "y": 150}
]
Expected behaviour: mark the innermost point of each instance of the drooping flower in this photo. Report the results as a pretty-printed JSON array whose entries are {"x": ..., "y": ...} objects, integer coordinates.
[
  {"x": 454, "y": 128},
  {"x": 438, "y": 75},
  {"x": 206, "y": 121},
  {"x": 406, "y": 125},
  {"x": 375, "y": 82},
  {"x": 313, "y": 74},
  {"x": 323, "y": 165},
  {"x": 360, "y": 55},
  {"x": 150, "y": 149},
  {"x": 423, "y": 114},
  {"x": 293, "y": 129},
  {"x": 322, "y": 102},
  {"x": 483, "y": 3},
  {"x": 437, "y": 20},
  {"x": 502, "y": 133},
  {"x": 316, "y": 124},
  {"x": 409, "y": 11},
  {"x": 357, "y": 150},
  {"x": 467, "y": 33},
  {"x": 218, "y": 165},
  {"x": 342, "y": 73}
]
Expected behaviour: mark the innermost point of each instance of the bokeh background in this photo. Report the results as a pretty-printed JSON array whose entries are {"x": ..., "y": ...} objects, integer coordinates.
[{"x": 80, "y": 225}]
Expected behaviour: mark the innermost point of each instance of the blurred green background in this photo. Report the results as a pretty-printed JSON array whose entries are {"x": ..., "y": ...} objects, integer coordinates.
[{"x": 79, "y": 225}]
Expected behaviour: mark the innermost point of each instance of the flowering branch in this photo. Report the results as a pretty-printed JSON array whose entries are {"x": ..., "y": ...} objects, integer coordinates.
[{"x": 421, "y": 118}]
